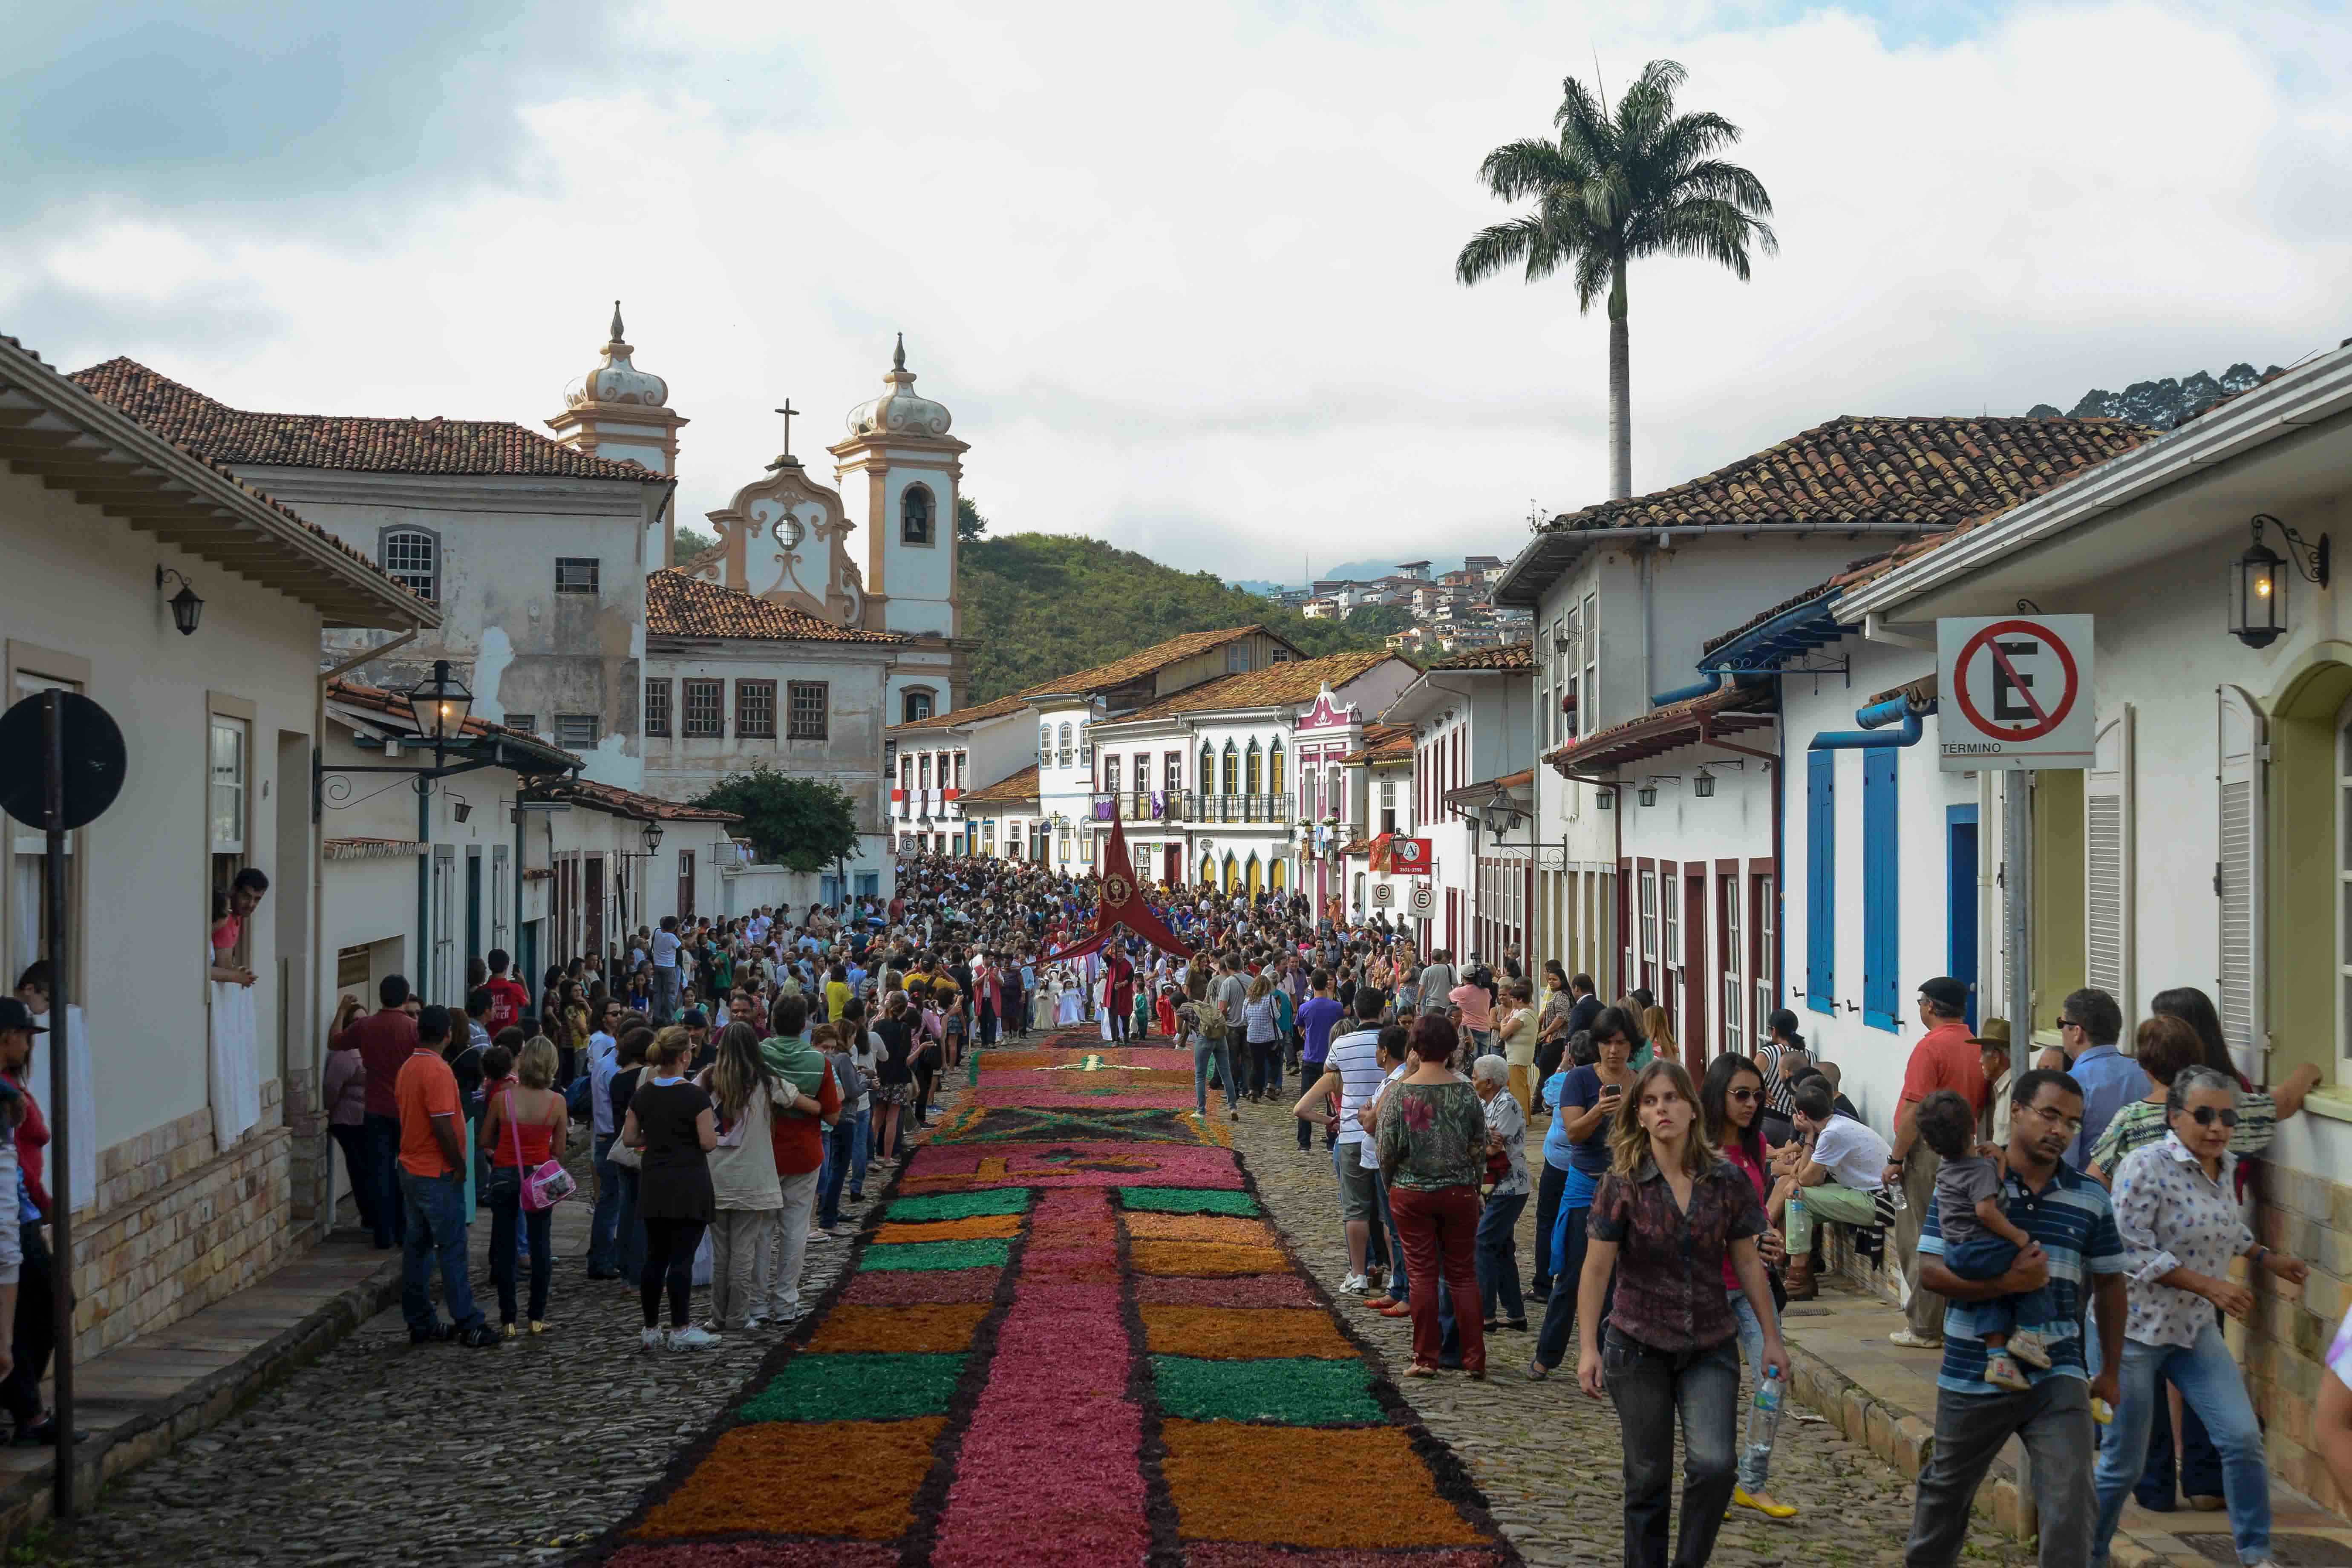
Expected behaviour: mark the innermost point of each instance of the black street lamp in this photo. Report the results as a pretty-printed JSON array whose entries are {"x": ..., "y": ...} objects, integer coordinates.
[
  {"x": 2259, "y": 586},
  {"x": 652, "y": 835},
  {"x": 186, "y": 608},
  {"x": 440, "y": 705}
]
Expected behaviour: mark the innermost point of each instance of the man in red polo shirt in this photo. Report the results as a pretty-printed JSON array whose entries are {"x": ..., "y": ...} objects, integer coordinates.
[
  {"x": 385, "y": 1040},
  {"x": 1945, "y": 1057}
]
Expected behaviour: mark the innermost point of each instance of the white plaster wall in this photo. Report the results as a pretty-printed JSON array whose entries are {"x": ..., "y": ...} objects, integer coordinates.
[
  {"x": 920, "y": 579},
  {"x": 528, "y": 649},
  {"x": 1872, "y": 1058},
  {"x": 84, "y": 588}
]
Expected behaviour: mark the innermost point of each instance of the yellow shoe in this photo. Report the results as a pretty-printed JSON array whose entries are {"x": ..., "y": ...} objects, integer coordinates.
[{"x": 1741, "y": 1497}]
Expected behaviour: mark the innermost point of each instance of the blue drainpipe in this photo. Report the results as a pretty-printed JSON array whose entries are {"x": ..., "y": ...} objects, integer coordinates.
[
  {"x": 1708, "y": 685},
  {"x": 1874, "y": 735}
]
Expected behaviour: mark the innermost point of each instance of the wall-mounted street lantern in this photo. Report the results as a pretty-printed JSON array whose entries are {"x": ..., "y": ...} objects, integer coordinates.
[
  {"x": 652, "y": 835},
  {"x": 2258, "y": 608},
  {"x": 186, "y": 608}
]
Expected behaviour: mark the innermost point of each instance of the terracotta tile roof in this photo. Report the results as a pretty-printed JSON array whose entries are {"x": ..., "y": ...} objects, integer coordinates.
[
  {"x": 435, "y": 446},
  {"x": 1726, "y": 711},
  {"x": 974, "y": 714},
  {"x": 677, "y": 606},
  {"x": 1928, "y": 471},
  {"x": 1148, "y": 661},
  {"x": 1297, "y": 680},
  {"x": 1516, "y": 655},
  {"x": 628, "y": 803},
  {"x": 1383, "y": 744},
  {"x": 1021, "y": 786},
  {"x": 1118, "y": 672},
  {"x": 1356, "y": 846},
  {"x": 395, "y": 705},
  {"x": 429, "y": 612}
]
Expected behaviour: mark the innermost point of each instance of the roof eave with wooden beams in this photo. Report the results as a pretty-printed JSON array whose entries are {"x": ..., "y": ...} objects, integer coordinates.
[{"x": 55, "y": 431}]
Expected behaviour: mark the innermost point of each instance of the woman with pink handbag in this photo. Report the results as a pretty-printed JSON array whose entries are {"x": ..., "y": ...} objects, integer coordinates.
[{"x": 525, "y": 1129}]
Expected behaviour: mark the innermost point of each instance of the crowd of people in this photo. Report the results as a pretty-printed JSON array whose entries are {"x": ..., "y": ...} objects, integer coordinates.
[{"x": 2065, "y": 1238}]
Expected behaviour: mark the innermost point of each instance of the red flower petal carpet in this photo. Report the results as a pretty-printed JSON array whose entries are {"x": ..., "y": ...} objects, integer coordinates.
[{"x": 1069, "y": 1339}]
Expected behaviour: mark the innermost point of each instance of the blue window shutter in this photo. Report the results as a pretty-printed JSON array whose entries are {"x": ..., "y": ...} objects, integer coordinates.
[
  {"x": 1820, "y": 881},
  {"x": 1880, "y": 985}
]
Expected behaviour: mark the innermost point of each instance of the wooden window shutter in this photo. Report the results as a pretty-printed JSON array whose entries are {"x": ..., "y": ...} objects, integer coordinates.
[
  {"x": 2238, "y": 877},
  {"x": 2107, "y": 867}
]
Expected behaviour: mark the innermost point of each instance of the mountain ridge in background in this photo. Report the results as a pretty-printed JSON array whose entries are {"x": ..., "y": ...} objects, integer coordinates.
[
  {"x": 2160, "y": 405},
  {"x": 1036, "y": 606}
]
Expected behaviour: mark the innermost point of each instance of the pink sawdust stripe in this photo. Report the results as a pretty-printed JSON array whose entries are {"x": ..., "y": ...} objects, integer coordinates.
[
  {"x": 1142, "y": 1096},
  {"x": 1049, "y": 1472}
]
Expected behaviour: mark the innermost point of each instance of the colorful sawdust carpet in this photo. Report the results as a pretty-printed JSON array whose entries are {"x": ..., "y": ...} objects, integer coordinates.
[{"x": 1069, "y": 1338}]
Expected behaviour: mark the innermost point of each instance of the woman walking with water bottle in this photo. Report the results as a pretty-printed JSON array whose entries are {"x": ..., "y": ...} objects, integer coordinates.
[
  {"x": 1732, "y": 1101},
  {"x": 1666, "y": 1219}
]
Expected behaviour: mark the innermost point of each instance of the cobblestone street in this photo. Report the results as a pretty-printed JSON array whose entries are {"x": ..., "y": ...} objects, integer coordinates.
[
  {"x": 382, "y": 1453},
  {"x": 1547, "y": 1457}
]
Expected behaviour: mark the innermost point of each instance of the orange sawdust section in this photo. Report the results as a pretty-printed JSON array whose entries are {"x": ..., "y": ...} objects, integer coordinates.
[
  {"x": 930, "y": 1328},
  {"x": 1216, "y": 1473},
  {"x": 1231, "y": 1229},
  {"x": 853, "y": 1478},
  {"x": 1206, "y": 1257},
  {"x": 978, "y": 1228},
  {"x": 1244, "y": 1334}
]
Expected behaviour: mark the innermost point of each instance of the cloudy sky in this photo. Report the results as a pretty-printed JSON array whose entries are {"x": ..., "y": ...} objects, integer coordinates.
[{"x": 1183, "y": 275}]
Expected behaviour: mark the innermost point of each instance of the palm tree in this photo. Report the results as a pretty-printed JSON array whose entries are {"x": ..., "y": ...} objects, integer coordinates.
[{"x": 1641, "y": 182}]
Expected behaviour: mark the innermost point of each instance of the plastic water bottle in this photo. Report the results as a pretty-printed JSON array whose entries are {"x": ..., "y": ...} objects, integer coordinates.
[
  {"x": 1800, "y": 1237},
  {"x": 1895, "y": 1200},
  {"x": 1764, "y": 1421}
]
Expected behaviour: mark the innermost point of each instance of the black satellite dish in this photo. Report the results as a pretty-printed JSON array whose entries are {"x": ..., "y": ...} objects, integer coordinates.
[{"x": 94, "y": 759}]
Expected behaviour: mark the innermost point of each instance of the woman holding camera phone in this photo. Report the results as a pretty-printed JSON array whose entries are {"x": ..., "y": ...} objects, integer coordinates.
[{"x": 1587, "y": 1098}]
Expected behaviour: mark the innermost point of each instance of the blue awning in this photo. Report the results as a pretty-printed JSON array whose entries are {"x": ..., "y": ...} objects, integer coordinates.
[{"x": 1768, "y": 644}]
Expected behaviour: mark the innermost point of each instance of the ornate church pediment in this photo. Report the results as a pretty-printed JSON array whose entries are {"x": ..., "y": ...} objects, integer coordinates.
[{"x": 791, "y": 536}]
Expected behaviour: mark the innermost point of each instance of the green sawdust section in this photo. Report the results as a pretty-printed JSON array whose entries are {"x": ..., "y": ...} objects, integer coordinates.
[
  {"x": 864, "y": 1387},
  {"x": 1291, "y": 1390},
  {"x": 936, "y": 1255},
  {"x": 961, "y": 1206},
  {"x": 1183, "y": 1200}
]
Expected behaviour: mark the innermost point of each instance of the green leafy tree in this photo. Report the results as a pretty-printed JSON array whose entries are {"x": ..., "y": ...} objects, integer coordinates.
[
  {"x": 969, "y": 524},
  {"x": 689, "y": 542},
  {"x": 1610, "y": 190},
  {"x": 1378, "y": 620},
  {"x": 802, "y": 823}
]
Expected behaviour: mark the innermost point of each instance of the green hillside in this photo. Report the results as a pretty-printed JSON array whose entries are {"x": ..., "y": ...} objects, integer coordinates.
[{"x": 1041, "y": 605}]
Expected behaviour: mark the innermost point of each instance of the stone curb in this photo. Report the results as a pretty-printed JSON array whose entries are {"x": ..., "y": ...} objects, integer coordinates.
[
  {"x": 1897, "y": 1436},
  {"x": 164, "y": 1423}
]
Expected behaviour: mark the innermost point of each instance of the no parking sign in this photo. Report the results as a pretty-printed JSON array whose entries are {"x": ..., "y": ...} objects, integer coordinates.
[{"x": 2016, "y": 692}]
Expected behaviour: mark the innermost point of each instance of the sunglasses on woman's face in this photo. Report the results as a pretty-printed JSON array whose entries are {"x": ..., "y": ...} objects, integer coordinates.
[
  {"x": 2207, "y": 1115},
  {"x": 1744, "y": 1096}
]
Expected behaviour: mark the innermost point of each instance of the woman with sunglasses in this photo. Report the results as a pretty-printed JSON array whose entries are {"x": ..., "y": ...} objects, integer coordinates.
[
  {"x": 2175, "y": 1210},
  {"x": 1731, "y": 1104}
]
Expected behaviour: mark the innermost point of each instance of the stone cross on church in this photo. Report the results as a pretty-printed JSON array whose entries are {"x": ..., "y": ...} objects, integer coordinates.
[{"x": 786, "y": 458}]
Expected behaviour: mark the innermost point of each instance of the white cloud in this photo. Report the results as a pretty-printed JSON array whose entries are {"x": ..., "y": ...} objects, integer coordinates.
[{"x": 1188, "y": 284}]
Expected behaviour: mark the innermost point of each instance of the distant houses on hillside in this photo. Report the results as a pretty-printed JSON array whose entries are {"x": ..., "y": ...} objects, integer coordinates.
[{"x": 1451, "y": 610}]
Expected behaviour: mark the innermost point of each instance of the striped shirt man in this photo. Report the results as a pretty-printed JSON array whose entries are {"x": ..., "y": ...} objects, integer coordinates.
[{"x": 2074, "y": 1223}]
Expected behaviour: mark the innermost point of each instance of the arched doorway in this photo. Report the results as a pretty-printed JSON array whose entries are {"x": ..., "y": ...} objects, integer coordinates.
[
  {"x": 1233, "y": 873},
  {"x": 1278, "y": 875},
  {"x": 1256, "y": 875}
]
